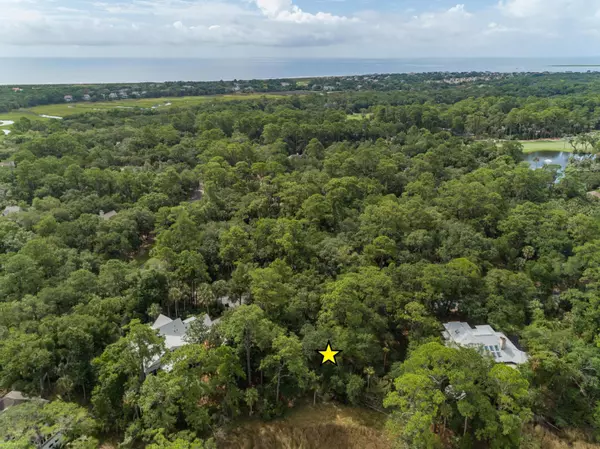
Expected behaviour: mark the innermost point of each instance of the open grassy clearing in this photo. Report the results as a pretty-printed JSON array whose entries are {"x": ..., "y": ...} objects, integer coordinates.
[
  {"x": 539, "y": 438},
  {"x": 66, "y": 109},
  {"x": 335, "y": 426},
  {"x": 330, "y": 426},
  {"x": 530, "y": 146},
  {"x": 16, "y": 115},
  {"x": 359, "y": 116}
]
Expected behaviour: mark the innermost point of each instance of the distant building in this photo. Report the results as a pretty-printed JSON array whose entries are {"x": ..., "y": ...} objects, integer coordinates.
[
  {"x": 40, "y": 440},
  {"x": 228, "y": 303},
  {"x": 113, "y": 96},
  {"x": 68, "y": 98},
  {"x": 174, "y": 332},
  {"x": 198, "y": 193},
  {"x": 9, "y": 164},
  {"x": 594, "y": 194},
  {"x": 17, "y": 89},
  {"x": 487, "y": 339},
  {"x": 285, "y": 84},
  {"x": 10, "y": 210},
  {"x": 87, "y": 97},
  {"x": 51, "y": 442},
  {"x": 107, "y": 215},
  {"x": 11, "y": 399}
]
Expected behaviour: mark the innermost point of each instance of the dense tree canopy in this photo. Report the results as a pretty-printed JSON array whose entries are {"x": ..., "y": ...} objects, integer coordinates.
[{"x": 362, "y": 218}]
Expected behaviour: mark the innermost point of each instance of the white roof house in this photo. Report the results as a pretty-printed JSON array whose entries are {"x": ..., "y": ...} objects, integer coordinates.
[
  {"x": 10, "y": 210},
  {"x": 107, "y": 215},
  {"x": 174, "y": 332},
  {"x": 228, "y": 303},
  {"x": 485, "y": 337}
]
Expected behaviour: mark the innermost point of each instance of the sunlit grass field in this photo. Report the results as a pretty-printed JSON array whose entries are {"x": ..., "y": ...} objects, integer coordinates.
[
  {"x": 530, "y": 146},
  {"x": 16, "y": 115},
  {"x": 66, "y": 109},
  {"x": 359, "y": 116}
]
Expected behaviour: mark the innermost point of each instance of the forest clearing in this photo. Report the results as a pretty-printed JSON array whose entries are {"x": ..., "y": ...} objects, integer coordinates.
[
  {"x": 531, "y": 146},
  {"x": 66, "y": 109},
  {"x": 330, "y": 425}
]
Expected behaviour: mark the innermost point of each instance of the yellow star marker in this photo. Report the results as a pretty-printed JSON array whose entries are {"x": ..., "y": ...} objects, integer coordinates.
[{"x": 329, "y": 355}]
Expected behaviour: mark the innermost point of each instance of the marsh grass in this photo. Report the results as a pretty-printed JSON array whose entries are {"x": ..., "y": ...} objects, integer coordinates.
[
  {"x": 326, "y": 426},
  {"x": 540, "y": 438},
  {"x": 332, "y": 426}
]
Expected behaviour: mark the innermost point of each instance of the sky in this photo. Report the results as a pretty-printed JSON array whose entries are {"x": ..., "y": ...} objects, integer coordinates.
[{"x": 299, "y": 28}]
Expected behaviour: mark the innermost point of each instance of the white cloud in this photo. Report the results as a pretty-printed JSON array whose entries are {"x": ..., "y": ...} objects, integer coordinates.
[
  {"x": 573, "y": 11},
  {"x": 459, "y": 9},
  {"x": 524, "y": 8},
  {"x": 286, "y": 11},
  {"x": 510, "y": 27},
  {"x": 494, "y": 28},
  {"x": 272, "y": 8}
]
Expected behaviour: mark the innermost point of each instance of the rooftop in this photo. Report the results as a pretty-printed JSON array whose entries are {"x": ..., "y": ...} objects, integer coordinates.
[
  {"x": 495, "y": 343},
  {"x": 11, "y": 210},
  {"x": 174, "y": 332},
  {"x": 14, "y": 398},
  {"x": 594, "y": 193},
  {"x": 107, "y": 215}
]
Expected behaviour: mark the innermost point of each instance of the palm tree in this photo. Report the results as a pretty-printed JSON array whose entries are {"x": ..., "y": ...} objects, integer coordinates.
[
  {"x": 205, "y": 296},
  {"x": 369, "y": 371},
  {"x": 175, "y": 296}
]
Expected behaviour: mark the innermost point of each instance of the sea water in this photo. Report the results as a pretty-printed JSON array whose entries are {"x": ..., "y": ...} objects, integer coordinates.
[{"x": 115, "y": 70}]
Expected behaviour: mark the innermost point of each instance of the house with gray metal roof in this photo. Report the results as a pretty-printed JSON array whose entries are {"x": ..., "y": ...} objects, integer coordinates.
[
  {"x": 485, "y": 338},
  {"x": 174, "y": 332}
]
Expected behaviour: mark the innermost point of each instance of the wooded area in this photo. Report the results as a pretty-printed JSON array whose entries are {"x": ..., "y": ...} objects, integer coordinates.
[{"x": 297, "y": 225}]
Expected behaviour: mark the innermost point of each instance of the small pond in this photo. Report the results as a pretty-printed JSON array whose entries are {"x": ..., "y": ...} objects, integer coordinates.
[
  {"x": 6, "y": 123},
  {"x": 538, "y": 159}
]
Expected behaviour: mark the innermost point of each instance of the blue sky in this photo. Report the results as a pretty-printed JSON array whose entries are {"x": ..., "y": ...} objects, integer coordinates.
[{"x": 299, "y": 28}]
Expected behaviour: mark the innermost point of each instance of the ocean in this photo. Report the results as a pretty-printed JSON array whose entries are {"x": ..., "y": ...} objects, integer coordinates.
[{"x": 129, "y": 70}]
